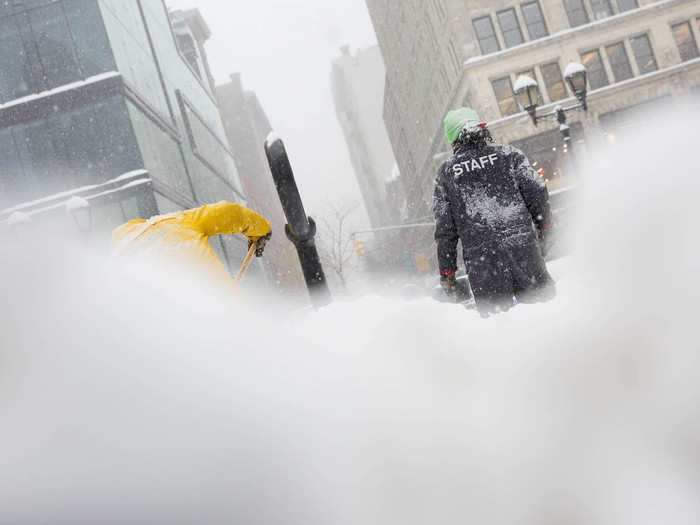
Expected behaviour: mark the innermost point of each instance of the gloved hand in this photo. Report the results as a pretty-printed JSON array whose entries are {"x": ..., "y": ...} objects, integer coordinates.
[
  {"x": 449, "y": 284},
  {"x": 261, "y": 242},
  {"x": 545, "y": 239}
]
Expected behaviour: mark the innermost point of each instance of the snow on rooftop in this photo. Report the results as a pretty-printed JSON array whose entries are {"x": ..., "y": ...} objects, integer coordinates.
[
  {"x": 82, "y": 189},
  {"x": 18, "y": 217},
  {"x": 60, "y": 89},
  {"x": 48, "y": 198},
  {"x": 572, "y": 68},
  {"x": 128, "y": 175},
  {"x": 523, "y": 82},
  {"x": 118, "y": 190},
  {"x": 133, "y": 183},
  {"x": 76, "y": 203},
  {"x": 272, "y": 138}
]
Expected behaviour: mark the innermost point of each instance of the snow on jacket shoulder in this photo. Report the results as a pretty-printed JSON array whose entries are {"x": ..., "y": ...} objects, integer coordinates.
[{"x": 185, "y": 235}]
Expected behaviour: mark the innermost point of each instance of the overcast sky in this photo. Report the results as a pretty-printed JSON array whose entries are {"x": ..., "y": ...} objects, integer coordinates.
[{"x": 284, "y": 49}]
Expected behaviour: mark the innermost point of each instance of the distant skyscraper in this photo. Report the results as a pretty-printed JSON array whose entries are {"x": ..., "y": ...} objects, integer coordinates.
[{"x": 357, "y": 83}]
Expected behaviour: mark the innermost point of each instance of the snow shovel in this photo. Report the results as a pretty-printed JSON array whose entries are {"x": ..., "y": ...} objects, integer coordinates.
[{"x": 246, "y": 262}]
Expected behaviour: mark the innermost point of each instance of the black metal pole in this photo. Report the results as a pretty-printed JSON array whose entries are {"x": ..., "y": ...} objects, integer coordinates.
[
  {"x": 566, "y": 137},
  {"x": 300, "y": 229}
]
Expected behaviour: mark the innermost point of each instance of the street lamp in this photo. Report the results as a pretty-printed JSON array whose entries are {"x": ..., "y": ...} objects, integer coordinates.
[
  {"x": 81, "y": 211},
  {"x": 576, "y": 76},
  {"x": 528, "y": 93},
  {"x": 527, "y": 90}
]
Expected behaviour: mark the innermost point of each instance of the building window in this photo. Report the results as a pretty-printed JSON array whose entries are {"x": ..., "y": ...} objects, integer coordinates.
[
  {"x": 188, "y": 48},
  {"x": 206, "y": 146},
  {"x": 159, "y": 150},
  {"x": 627, "y": 5},
  {"x": 597, "y": 77},
  {"x": 92, "y": 46},
  {"x": 50, "y": 46},
  {"x": 503, "y": 89},
  {"x": 72, "y": 148},
  {"x": 53, "y": 41},
  {"x": 643, "y": 54},
  {"x": 512, "y": 36},
  {"x": 16, "y": 77},
  {"x": 576, "y": 12},
  {"x": 619, "y": 62},
  {"x": 601, "y": 9},
  {"x": 534, "y": 20},
  {"x": 531, "y": 73},
  {"x": 553, "y": 81},
  {"x": 684, "y": 40},
  {"x": 486, "y": 35},
  {"x": 15, "y": 185}
]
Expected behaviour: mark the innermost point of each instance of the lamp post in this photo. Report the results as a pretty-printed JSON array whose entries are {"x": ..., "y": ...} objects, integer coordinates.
[
  {"x": 81, "y": 211},
  {"x": 300, "y": 228},
  {"x": 527, "y": 91}
]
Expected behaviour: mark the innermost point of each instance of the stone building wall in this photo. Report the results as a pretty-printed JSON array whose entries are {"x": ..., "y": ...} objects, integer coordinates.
[{"x": 419, "y": 131}]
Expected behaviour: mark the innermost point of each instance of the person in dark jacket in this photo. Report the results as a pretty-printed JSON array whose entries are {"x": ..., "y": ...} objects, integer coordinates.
[{"x": 489, "y": 197}]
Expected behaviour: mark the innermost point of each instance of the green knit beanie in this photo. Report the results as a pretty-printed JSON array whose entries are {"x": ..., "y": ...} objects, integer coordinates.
[{"x": 458, "y": 119}]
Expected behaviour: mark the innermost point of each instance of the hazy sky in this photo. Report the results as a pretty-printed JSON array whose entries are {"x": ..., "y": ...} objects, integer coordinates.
[{"x": 284, "y": 48}]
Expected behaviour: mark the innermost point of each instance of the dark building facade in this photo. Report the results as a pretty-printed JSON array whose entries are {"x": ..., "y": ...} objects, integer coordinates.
[
  {"x": 247, "y": 126},
  {"x": 91, "y": 90}
]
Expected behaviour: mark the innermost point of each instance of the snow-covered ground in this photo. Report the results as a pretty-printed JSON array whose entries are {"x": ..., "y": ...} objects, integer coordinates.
[{"x": 136, "y": 397}]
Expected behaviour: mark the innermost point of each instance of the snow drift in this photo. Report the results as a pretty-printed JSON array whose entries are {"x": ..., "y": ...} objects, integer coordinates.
[{"x": 131, "y": 396}]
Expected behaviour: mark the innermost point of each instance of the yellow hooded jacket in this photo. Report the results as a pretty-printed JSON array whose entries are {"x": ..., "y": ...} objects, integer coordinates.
[{"x": 185, "y": 235}]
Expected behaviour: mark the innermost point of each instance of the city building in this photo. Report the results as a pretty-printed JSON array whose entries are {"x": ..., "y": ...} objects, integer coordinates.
[
  {"x": 442, "y": 54},
  {"x": 247, "y": 127},
  {"x": 357, "y": 84},
  {"x": 93, "y": 91}
]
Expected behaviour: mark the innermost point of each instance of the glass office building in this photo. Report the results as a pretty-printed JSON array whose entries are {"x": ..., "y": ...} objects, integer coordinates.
[{"x": 93, "y": 89}]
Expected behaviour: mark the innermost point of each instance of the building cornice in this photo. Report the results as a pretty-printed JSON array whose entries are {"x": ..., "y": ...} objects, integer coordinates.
[
  {"x": 572, "y": 33},
  {"x": 67, "y": 96},
  {"x": 604, "y": 92}
]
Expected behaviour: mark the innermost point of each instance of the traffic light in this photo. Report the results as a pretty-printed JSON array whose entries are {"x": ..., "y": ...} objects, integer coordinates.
[{"x": 359, "y": 248}]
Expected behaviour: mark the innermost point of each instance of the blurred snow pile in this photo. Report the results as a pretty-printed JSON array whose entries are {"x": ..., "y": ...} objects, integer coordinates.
[{"x": 132, "y": 397}]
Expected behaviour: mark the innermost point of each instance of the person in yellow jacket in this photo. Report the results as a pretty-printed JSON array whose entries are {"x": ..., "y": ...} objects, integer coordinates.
[{"x": 183, "y": 237}]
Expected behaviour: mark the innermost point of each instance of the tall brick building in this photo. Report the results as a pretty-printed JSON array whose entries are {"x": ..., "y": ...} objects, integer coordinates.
[{"x": 442, "y": 54}]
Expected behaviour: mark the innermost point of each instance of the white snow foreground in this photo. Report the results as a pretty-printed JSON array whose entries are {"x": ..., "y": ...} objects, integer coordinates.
[{"x": 138, "y": 396}]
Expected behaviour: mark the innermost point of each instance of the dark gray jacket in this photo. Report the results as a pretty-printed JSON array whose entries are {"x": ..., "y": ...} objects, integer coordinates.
[{"x": 492, "y": 199}]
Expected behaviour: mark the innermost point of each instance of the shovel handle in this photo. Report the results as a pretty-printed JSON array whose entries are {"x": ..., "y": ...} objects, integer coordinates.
[{"x": 248, "y": 259}]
